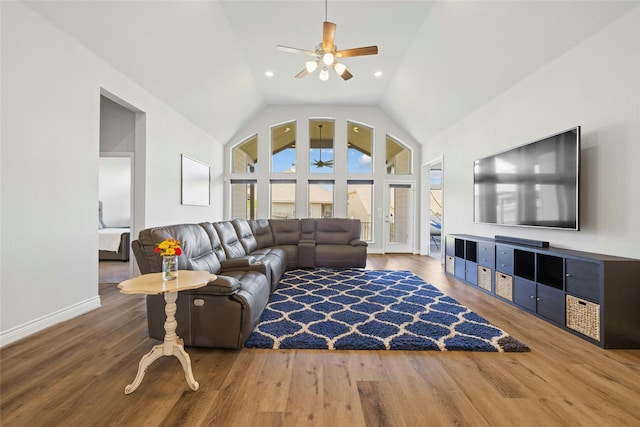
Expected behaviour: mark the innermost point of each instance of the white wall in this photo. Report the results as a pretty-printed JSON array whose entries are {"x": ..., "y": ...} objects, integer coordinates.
[
  {"x": 596, "y": 85},
  {"x": 114, "y": 191},
  {"x": 117, "y": 127},
  {"x": 50, "y": 115},
  {"x": 368, "y": 115}
]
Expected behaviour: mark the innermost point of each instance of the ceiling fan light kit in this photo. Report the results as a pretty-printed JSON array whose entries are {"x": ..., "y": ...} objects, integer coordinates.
[
  {"x": 311, "y": 66},
  {"x": 327, "y": 52}
]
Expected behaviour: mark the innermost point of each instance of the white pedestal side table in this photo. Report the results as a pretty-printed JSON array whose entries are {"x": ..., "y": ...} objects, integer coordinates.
[{"x": 173, "y": 345}]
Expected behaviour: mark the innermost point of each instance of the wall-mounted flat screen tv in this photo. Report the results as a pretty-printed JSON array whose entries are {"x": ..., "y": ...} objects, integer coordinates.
[{"x": 534, "y": 185}]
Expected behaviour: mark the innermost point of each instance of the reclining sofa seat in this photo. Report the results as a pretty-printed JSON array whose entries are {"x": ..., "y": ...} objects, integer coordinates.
[
  {"x": 221, "y": 314},
  {"x": 286, "y": 235},
  {"x": 277, "y": 258},
  {"x": 338, "y": 244}
]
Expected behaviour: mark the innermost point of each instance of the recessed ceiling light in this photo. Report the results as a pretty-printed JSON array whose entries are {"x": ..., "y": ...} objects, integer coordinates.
[
  {"x": 269, "y": 74},
  {"x": 377, "y": 73}
]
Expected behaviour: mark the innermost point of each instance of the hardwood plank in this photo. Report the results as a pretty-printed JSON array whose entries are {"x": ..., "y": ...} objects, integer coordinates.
[
  {"x": 306, "y": 392},
  {"x": 380, "y": 404},
  {"x": 341, "y": 400},
  {"x": 274, "y": 381}
]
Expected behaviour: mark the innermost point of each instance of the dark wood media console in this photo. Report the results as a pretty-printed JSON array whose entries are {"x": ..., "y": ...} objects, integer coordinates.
[{"x": 593, "y": 296}]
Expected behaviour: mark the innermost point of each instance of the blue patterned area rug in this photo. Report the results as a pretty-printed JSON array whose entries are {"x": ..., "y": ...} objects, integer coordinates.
[{"x": 357, "y": 309}]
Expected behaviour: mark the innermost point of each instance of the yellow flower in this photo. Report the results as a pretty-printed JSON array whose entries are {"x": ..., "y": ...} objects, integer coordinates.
[{"x": 169, "y": 247}]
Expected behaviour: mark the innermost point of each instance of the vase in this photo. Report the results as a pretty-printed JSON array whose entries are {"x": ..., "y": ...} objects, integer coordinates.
[{"x": 169, "y": 267}]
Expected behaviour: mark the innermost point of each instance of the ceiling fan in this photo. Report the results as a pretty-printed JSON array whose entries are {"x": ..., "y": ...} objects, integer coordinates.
[
  {"x": 320, "y": 163},
  {"x": 326, "y": 53}
]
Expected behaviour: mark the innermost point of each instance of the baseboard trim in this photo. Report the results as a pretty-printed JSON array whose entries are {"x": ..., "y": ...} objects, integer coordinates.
[{"x": 36, "y": 325}]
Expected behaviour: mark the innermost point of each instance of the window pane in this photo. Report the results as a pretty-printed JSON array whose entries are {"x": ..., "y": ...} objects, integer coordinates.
[
  {"x": 321, "y": 146},
  {"x": 245, "y": 156},
  {"x": 283, "y": 148},
  {"x": 320, "y": 199},
  {"x": 283, "y": 200},
  {"x": 398, "y": 158},
  {"x": 359, "y": 206},
  {"x": 360, "y": 141},
  {"x": 244, "y": 202}
]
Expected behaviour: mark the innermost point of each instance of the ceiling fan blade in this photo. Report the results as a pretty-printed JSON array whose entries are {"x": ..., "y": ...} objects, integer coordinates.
[
  {"x": 358, "y": 51},
  {"x": 302, "y": 73},
  {"x": 295, "y": 50},
  {"x": 346, "y": 75},
  {"x": 328, "y": 32}
]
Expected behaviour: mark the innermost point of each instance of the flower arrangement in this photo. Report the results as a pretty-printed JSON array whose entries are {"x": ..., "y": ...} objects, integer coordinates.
[{"x": 169, "y": 247}]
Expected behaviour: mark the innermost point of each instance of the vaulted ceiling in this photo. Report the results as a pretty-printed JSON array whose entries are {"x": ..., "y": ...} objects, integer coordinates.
[{"x": 439, "y": 60}]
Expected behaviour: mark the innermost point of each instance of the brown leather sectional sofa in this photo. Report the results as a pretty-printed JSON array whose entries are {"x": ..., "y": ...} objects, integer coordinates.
[{"x": 249, "y": 258}]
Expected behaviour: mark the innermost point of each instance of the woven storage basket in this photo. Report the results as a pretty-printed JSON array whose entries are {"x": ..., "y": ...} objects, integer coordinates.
[
  {"x": 504, "y": 286},
  {"x": 584, "y": 317},
  {"x": 450, "y": 266},
  {"x": 484, "y": 278}
]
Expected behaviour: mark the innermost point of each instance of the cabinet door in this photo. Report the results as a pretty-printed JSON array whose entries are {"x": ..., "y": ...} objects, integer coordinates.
[
  {"x": 583, "y": 279},
  {"x": 504, "y": 259},
  {"x": 486, "y": 255},
  {"x": 524, "y": 293},
  {"x": 459, "y": 268},
  {"x": 471, "y": 272},
  {"x": 551, "y": 303}
]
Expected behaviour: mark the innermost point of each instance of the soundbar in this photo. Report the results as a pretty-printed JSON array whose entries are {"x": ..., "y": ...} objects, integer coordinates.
[{"x": 519, "y": 241}]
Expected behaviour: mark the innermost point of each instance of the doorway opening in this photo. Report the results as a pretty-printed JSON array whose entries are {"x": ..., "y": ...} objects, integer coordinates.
[
  {"x": 433, "y": 216},
  {"x": 121, "y": 183}
]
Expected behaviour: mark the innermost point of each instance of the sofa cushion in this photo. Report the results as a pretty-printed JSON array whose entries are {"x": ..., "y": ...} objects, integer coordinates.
[
  {"x": 262, "y": 232},
  {"x": 197, "y": 253},
  {"x": 337, "y": 231},
  {"x": 276, "y": 261},
  {"x": 285, "y": 231},
  {"x": 215, "y": 241},
  {"x": 245, "y": 235},
  {"x": 292, "y": 255},
  {"x": 229, "y": 239}
]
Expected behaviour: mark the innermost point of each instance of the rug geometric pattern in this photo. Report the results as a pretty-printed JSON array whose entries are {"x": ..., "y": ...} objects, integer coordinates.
[{"x": 354, "y": 309}]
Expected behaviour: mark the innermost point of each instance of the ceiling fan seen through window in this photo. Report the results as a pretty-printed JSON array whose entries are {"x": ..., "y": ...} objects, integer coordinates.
[{"x": 320, "y": 163}]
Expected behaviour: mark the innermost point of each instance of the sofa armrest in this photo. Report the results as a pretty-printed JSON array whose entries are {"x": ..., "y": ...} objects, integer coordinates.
[
  {"x": 259, "y": 267},
  {"x": 358, "y": 242},
  {"x": 143, "y": 259},
  {"x": 245, "y": 263},
  {"x": 223, "y": 285},
  {"x": 238, "y": 263},
  {"x": 306, "y": 253}
]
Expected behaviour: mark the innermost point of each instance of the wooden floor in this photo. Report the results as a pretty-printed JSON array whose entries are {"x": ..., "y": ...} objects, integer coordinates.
[{"x": 74, "y": 374}]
